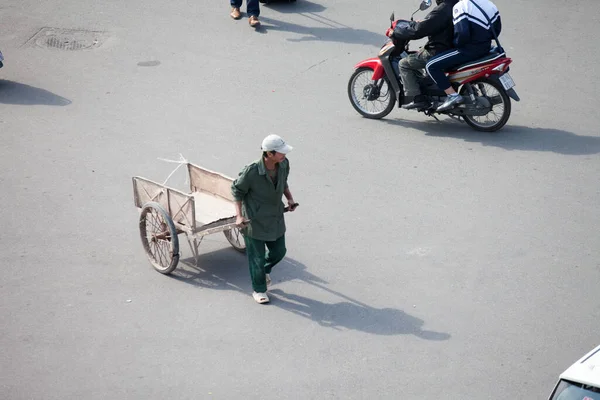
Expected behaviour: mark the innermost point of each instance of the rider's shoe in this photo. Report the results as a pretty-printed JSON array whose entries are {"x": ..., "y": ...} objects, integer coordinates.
[
  {"x": 419, "y": 101},
  {"x": 451, "y": 101}
]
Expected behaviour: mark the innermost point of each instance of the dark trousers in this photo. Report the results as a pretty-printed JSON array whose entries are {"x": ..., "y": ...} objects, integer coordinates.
[
  {"x": 262, "y": 261},
  {"x": 252, "y": 6},
  {"x": 446, "y": 61}
]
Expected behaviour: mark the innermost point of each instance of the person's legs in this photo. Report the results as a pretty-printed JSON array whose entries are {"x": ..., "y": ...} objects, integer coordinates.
[
  {"x": 255, "y": 250},
  {"x": 253, "y": 11},
  {"x": 438, "y": 64},
  {"x": 436, "y": 67},
  {"x": 275, "y": 254},
  {"x": 408, "y": 65},
  {"x": 408, "y": 74},
  {"x": 253, "y": 8}
]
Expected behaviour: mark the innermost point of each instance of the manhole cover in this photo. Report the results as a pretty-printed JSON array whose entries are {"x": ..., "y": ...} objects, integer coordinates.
[{"x": 67, "y": 39}]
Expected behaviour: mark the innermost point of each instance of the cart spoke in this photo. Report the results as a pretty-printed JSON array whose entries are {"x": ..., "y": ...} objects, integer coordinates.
[
  {"x": 161, "y": 254},
  {"x": 159, "y": 237},
  {"x": 236, "y": 239}
]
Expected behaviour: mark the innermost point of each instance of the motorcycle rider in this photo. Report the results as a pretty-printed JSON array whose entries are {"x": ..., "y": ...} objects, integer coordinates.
[
  {"x": 437, "y": 25},
  {"x": 476, "y": 23}
]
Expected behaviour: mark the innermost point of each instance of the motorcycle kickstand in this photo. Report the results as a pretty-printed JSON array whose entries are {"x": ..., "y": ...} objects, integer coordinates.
[
  {"x": 458, "y": 118},
  {"x": 430, "y": 113}
]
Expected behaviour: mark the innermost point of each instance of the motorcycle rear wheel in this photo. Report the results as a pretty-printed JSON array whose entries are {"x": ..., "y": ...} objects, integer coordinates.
[
  {"x": 498, "y": 116},
  {"x": 361, "y": 87}
]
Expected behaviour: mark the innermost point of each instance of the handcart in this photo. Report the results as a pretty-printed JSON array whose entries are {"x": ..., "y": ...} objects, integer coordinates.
[{"x": 166, "y": 212}]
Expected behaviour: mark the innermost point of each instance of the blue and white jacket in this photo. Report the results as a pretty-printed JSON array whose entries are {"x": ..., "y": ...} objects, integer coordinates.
[{"x": 472, "y": 30}]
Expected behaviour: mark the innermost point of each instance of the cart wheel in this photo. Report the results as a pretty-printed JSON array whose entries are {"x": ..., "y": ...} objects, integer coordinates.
[
  {"x": 159, "y": 238},
  {"x": 236, "y": 238}
]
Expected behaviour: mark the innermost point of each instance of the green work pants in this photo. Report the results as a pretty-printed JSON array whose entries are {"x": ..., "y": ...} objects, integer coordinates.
[{"x": 262, "y": 257}]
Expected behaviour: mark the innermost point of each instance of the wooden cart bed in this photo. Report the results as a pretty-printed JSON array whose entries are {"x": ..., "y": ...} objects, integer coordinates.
[{"x": 209, "y": 206}]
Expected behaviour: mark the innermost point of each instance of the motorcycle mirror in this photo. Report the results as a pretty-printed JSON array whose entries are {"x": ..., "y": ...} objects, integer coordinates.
[
  {"x": 413, "y": 14},
  {"x": 392, "y": 17},
  {"x": 425, "y": 4}
]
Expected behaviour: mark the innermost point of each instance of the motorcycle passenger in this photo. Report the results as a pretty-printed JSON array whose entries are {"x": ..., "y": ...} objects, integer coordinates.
[
  {"x": 475, "y": 22},
  {"x": 437, "y": 25}
]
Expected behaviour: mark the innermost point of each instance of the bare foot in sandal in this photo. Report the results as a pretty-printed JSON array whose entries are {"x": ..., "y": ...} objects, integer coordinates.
[{"x": 260, "y": 298}]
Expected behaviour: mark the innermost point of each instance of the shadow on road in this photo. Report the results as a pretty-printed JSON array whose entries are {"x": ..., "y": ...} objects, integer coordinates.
[
  {"x": 330, "y": 31},
  {"x": 225, "y": 269},
  {"x": 355, "y": 315},
  {"x": 295, "y": 7},
  {"x": 22, "y": 94},
  {"x": 510, "y": 137}
]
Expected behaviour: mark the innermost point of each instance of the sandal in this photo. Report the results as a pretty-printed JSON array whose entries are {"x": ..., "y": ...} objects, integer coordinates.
[{"x": 260, "y": 298}]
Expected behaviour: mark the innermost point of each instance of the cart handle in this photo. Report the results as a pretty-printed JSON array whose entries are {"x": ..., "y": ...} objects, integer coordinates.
[{"x": 288, "y": 208}]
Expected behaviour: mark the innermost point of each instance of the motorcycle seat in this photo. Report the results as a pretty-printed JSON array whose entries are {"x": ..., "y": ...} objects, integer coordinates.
[{"x": 494, "y": 54}]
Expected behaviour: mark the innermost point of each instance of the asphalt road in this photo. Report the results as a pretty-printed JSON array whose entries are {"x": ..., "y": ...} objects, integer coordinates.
[{"x": 426, "y": 261}]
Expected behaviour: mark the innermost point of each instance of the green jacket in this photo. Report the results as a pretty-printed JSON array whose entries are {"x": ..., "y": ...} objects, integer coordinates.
[{"x": 261, "y": 199}]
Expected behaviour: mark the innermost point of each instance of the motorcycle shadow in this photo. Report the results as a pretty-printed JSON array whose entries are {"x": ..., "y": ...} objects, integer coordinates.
[{"x": 510, "y": 137}]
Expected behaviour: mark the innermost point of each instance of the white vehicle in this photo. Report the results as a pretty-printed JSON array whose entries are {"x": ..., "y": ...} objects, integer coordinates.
[{"x": 581, "y": 381}]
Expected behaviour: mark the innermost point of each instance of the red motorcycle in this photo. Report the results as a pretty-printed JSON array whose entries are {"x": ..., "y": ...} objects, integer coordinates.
[{"x": 375, "y": 86}]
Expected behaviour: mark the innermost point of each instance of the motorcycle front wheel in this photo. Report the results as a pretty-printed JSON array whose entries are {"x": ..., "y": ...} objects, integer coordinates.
[
  {"x": 372, "y": 99},
  {"x": 499, "y": 112}
]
